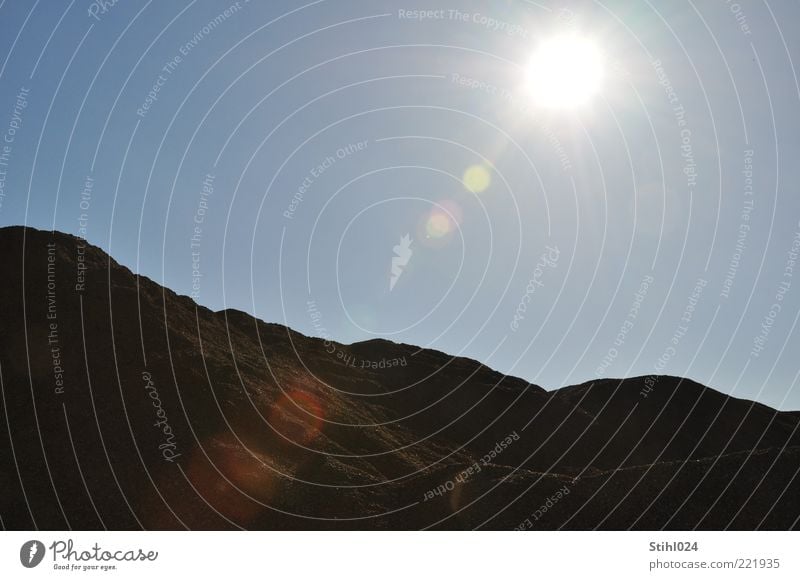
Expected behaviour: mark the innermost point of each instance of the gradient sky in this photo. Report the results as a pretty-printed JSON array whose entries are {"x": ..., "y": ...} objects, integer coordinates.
[{"x": 646, "y": 182}]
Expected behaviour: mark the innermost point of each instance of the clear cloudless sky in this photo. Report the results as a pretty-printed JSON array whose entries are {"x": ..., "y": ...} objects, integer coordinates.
[{"x": 323, "y": 133}]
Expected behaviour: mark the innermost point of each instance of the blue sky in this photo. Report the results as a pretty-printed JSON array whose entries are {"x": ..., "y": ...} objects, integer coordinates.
[{"x": 650, "y": 231}]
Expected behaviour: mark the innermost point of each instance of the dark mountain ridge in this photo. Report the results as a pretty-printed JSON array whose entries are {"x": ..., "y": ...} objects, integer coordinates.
[{"x": 125, "y": 405}]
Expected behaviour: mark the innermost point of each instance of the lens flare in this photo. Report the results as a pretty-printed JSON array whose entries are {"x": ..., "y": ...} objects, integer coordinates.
[
  {"x": 297, "y": 415},
  {"x": 440, "y": 223},
  {"x": 224, "y": 474},
  {"x": 477, "y": 178}
]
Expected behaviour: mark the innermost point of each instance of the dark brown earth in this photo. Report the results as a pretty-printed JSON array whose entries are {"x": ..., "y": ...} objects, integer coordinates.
[{"x": 172, "y": 416}]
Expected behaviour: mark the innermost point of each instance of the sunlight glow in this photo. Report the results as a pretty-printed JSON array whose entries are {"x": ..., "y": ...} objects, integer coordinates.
[{"x": 565, "y": 72}]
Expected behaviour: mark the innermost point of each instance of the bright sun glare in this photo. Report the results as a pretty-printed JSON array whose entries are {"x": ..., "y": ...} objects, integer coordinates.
[{"x": 565, "y": 72}]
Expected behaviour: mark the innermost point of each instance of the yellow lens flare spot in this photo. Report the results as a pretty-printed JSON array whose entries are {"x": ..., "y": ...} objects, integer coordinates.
[{"x": 477, "y": 178}]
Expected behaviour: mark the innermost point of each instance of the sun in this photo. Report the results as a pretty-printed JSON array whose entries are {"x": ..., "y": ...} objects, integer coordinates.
[{"x": 565, "y": 72}]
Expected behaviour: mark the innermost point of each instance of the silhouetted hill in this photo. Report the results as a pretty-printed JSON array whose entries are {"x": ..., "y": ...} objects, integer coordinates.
[{"x": 125, "y": 405}]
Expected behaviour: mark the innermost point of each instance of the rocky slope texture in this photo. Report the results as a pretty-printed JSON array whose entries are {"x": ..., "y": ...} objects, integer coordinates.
[{"x": 125, "y": 406}]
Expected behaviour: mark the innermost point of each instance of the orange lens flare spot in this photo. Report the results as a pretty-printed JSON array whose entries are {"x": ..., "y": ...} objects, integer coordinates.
[
  {"x": 439, "y": 225},
  {"x": 226, "y": 473},
  {"x": 298, "y": 416}
]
